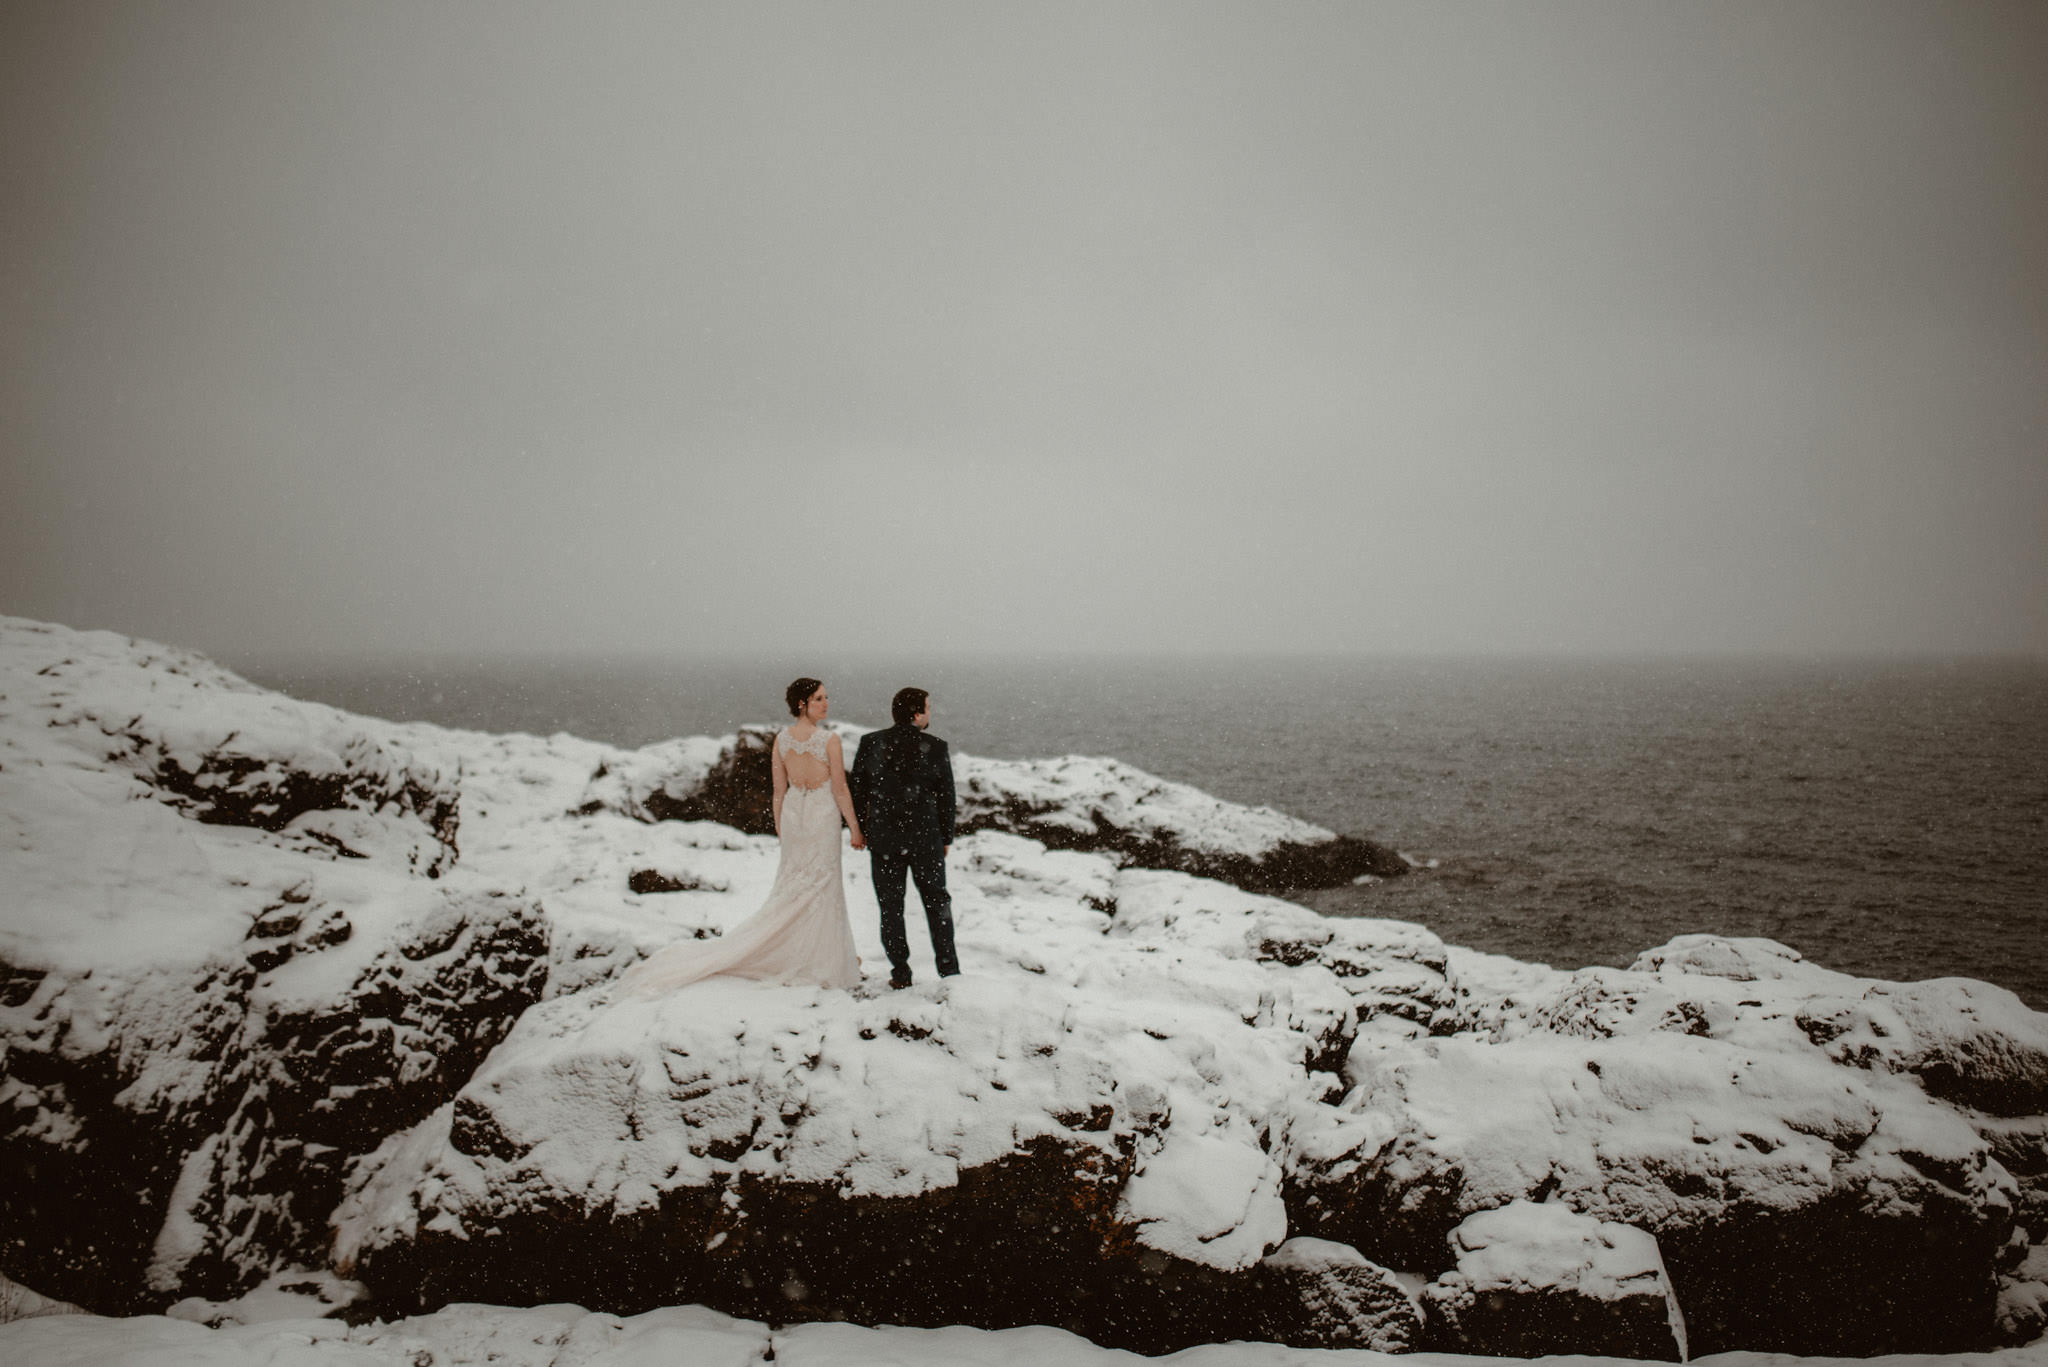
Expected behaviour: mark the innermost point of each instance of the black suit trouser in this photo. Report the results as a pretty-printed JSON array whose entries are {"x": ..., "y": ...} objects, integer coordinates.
[{"x": 926, "y": 864}]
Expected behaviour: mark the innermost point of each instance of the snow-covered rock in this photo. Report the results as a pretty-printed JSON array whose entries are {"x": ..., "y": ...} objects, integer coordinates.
[
  {"x": 1087, "y": 803},
  {"x": 1320, "y": 1294},
  {"x": 284, "y": 988},
  {"x": 1538, "y": 1279},
  {"x": 1106, "y": 1102},
  {"x": 292, "y": 1294},
  {"x": 228, "y": 957},
  {"x": 1697, "y": 1110},
  {"x": 1077, "y": 802},
  {"x": 2023, "y": 1297}
]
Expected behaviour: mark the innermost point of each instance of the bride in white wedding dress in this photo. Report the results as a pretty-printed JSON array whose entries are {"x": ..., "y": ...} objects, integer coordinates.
[{"x": 800, "y": 935}]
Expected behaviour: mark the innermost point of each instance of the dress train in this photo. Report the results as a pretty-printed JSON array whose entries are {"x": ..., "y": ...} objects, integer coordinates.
[{"x": 800, "y": 934}]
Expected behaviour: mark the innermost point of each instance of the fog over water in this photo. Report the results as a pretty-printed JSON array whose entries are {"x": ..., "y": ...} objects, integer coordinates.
[{"x": 516, "y": 327}]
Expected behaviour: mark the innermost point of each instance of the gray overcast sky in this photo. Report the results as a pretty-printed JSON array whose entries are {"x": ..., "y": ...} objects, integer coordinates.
[{"x": 1346, "y": 327}]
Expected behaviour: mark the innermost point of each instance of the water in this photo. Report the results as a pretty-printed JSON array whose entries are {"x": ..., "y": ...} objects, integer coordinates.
[{"x": 1882, "y": 818}]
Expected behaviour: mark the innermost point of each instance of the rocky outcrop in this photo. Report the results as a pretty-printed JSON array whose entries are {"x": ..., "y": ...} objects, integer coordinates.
[
  {"x": 696, "y": 778},
  {"x": 227, "y": 962},
  {"x": 1024, "y": 1134},
  {"x": 1157, "y": 1108},
  {"x": 1099, "y": 806},
  {"x": 225, "y": 1100},
  {"x": 1107, "y": 806},
  {"x": 1685, "y": 1097},
  {"x": 222, "y": 752}
]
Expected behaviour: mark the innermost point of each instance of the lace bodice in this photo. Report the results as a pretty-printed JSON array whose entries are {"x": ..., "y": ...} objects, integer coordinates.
[{"x": 814, "y": 747}]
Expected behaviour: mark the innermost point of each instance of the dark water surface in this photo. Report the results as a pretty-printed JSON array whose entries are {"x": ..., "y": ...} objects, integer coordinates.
[{"x": 1886, "y": 818}]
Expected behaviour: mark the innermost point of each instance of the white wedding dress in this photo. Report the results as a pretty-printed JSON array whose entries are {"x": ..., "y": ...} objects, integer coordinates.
[{"x": 800, "y": 934}]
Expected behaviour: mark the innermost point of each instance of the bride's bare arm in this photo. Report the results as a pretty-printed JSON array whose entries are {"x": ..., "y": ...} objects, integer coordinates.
[
  {"x": 841, "y": 794},
  {"x": 781, "y": 780}
]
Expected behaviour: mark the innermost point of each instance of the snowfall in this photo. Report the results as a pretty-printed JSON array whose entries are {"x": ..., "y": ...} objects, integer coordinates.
[{"x": 311, "y": 1055}]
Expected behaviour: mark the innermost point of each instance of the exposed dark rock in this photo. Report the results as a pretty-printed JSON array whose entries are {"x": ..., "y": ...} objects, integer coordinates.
[
  {"x": 2022, "y": 1315},
  {"x": 1015, "y": 1243},
  {"x": 1288, "y": 867},
  {"x": 1838, "y": 1279},
  {"x": 1533, "y": 1281},
  {"x": 227, "y": 787},
  {"x": 648, "y": 881},
  {"x": 1982, "y": 1055},
  {"x": 738, "y": 790},
  {"x": 2021, "y": 1146},
  {"x": 1317, "y": 1294},
  {"x": 87, "y": 1163}
]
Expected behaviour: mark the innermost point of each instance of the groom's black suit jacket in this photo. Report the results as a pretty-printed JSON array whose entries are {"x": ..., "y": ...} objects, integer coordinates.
[{"x": 902, "y": 784}]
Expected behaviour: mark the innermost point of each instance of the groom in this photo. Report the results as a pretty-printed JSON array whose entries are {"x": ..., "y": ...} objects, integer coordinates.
[{"x": 902, "y": 785}]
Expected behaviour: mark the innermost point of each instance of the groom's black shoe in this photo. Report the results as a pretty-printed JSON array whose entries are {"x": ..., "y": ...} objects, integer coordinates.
[{"x": 899, "y": 980}]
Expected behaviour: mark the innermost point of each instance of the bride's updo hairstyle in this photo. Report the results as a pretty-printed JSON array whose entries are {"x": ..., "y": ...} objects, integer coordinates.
[{"x": 799, "y": 693}]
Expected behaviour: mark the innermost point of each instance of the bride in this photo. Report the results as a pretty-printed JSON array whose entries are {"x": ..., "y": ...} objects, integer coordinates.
[{"x": 800, "y": 935}]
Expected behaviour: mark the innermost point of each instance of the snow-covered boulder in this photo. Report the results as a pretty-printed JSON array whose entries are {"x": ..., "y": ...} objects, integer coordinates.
[
  {"x": 1966, "y": 1041},
  {"x": 1973, "y": 1045},
  {"x": 1532, "y": 1280},
  {"x": 1697, "y": 1110},
  {"x": 2022, "y": 1315},
  {"x": 1319, "y": 1294}
]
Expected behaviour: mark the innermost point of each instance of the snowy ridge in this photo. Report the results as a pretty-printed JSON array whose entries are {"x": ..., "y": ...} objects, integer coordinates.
[{"x": 319, "y": 992}]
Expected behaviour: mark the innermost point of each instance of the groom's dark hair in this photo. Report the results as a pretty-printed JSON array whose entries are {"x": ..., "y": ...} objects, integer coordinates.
[{"x": 907, "y": 703}]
